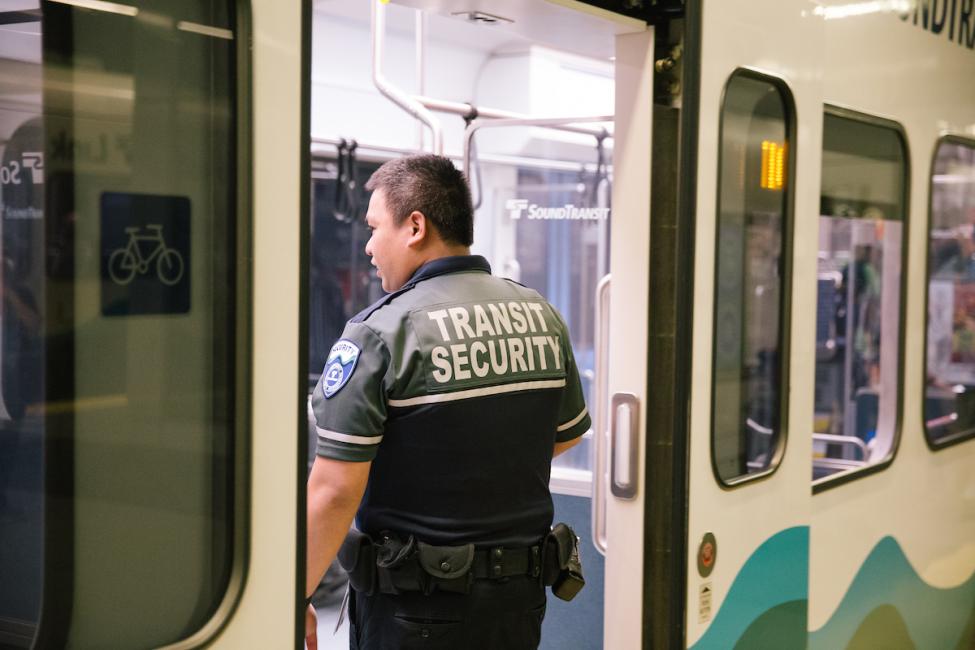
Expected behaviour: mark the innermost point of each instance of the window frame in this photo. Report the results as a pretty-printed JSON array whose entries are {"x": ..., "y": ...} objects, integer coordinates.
[
  {"x": 785, "y": 306},
  {"x": 835, "y": 110},
  {"x": 948, "y": 441}
]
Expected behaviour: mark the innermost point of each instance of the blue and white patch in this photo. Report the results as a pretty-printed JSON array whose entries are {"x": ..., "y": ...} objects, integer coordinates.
[{"x": 339, "y": 366}]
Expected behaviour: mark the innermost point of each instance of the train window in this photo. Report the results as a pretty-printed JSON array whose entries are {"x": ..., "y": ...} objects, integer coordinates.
[
  {"x": 949, "y": 386},
  {"x": 751, "y": 292},
  {"x": 124, "y": 320},
  {"x": 863, "y": 207}
]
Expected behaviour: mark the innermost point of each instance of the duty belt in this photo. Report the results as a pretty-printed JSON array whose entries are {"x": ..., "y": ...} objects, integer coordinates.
[{"x": 402, "y": 564}]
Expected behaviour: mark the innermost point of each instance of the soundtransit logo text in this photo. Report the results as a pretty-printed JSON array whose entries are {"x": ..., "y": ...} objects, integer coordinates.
[{"x": 518, "y": 207}]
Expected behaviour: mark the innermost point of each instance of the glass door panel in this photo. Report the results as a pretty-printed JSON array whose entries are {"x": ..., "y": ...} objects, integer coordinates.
[{"x": 119, "y": 363}]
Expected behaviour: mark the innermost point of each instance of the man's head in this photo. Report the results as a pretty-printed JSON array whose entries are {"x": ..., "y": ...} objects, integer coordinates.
[{"x": 420, "y": 210}]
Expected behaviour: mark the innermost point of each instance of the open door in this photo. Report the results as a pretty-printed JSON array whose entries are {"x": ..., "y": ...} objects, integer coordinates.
[{"x": 625, "y": 413}]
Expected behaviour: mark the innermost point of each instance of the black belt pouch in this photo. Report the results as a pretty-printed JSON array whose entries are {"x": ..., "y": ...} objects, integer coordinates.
[
  {"x": 357, "y": 555},
  {"x": 398, "y": 571},
  {"x": 562, "y": 565},
  {"x": 450, "y": 568}
]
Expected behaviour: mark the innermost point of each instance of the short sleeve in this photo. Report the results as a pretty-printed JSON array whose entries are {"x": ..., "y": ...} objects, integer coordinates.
[
  {"x": 349, "y": 401},
  {"x": 574, "y": 417}
]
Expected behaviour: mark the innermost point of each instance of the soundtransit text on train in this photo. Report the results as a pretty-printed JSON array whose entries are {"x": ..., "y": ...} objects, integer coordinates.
[{"x": 517, "y": 207}]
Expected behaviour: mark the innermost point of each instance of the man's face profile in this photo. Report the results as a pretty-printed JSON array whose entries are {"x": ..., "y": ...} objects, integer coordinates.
[{"x": 388, "y": 244}]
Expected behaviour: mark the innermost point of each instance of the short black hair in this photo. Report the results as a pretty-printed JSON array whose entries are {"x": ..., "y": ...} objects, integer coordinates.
[{"x": 432, "y": 185}]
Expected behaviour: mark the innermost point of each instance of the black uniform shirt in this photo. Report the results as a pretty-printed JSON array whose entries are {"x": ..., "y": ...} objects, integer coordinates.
[{"x": 456, "y": 386}]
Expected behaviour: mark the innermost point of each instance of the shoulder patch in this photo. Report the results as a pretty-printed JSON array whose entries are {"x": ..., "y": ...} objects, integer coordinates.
[{"x": 339, "y": 366}]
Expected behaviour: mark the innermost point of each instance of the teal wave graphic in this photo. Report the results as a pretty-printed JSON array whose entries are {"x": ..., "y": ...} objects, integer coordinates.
[
  {"x": 934, "y": 618},
  {"x": 775, "y": 577},
  {"x": 887, "y": 605}
]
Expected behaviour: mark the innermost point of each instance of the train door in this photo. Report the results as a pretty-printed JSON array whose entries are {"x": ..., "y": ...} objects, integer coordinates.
[
  {"x": 749, "y": 492},
  {"x": 140, "y": 195}
]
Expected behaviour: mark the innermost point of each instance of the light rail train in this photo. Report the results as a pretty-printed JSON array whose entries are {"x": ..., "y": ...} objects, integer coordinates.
[{"x": 756, "y": 217}]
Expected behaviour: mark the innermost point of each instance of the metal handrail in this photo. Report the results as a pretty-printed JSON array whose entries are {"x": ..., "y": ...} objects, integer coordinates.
[
  {"x": 758, "y": 428},
  {"x": 397, "y": 96},
  {"x": 941, "y": 421},
  {"x": 466, "y": 109},
  {"x": 550, "y": 122},
  {"x": 844, "y": 440},
  {"x": 838, "y": 463},
  {"x": 497, "y": 159},
  {"x": 420, "y": 106}
]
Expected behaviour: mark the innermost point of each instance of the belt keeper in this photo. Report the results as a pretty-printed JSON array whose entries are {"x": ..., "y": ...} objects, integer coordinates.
[
  {"x": 497, "y": 558},
  {"x": 535, "y": 563},
  {"x": 426, "y": 583}
]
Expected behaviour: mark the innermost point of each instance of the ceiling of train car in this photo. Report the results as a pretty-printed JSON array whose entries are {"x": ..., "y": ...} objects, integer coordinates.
[
  {"x": 400, "y": 21},
  {"x": 564, "y": 25}
]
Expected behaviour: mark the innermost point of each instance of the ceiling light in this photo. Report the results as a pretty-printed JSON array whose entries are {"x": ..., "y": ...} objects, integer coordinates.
[{"x": 481, "y": 18}]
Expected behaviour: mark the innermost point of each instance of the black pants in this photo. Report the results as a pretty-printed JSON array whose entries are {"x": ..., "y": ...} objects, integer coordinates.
[{"x": 494, "y": 616}]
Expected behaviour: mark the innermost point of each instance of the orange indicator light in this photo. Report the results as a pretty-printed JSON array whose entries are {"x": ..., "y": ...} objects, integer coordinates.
[{"x": 773, "y": 165}]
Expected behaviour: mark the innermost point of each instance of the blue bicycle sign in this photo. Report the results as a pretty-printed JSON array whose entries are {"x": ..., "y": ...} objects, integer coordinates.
[{"x": 125, "y": 262}]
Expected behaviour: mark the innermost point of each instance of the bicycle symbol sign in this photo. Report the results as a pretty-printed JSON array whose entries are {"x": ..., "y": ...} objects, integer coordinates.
[{"x": 128, "y": 260}]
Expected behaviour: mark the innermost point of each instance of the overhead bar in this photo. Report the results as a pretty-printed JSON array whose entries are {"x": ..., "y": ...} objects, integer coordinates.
[
  {"x": 548, "y": 122},
  {"x": 465, "y": 109},
  {"x": 388, "y": 152}
]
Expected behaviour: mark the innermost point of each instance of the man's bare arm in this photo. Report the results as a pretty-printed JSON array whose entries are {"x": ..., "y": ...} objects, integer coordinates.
[
  {"x": 561, "y": 447},
  {"x": 335, "y": 489}
]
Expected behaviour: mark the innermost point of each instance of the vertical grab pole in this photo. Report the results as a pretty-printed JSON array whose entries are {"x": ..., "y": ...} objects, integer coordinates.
[
  {"x": 421, "y": 44},
  {"x": 398, "y": 97}
]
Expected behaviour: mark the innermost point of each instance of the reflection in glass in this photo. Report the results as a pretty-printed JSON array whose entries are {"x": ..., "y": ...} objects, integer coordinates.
[
  {"x": 862, "y": 208},
  {"x": 749, "y": 291},
  {"x": 949, "y": 396},
  {"x": 22, "y": 345}
]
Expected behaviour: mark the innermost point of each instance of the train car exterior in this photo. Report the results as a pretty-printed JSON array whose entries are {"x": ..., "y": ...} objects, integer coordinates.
[{"x": 875, "y": 552}]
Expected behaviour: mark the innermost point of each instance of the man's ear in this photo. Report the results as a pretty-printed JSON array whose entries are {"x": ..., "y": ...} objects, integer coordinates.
[{"x": 417, "y": 223}]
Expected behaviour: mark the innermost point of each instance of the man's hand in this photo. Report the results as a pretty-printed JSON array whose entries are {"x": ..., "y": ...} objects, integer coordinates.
[{"x": 311, "y": 628}]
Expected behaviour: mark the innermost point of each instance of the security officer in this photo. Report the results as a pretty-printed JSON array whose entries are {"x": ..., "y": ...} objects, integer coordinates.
[{"x": 438, "y": 414}]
